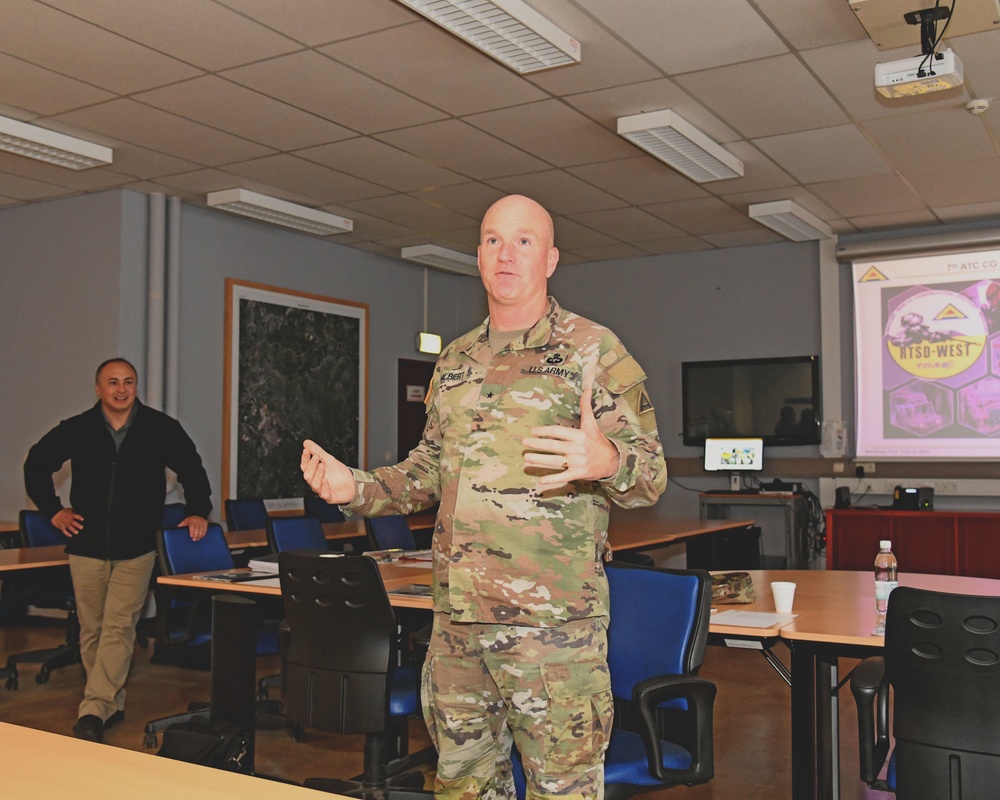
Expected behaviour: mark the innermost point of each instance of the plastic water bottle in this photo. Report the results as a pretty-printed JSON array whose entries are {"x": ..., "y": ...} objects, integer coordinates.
[{"x": 886, "y": 578}]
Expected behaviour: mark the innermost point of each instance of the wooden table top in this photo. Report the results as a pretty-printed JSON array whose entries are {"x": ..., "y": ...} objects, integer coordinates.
[
  {"x": 33, "y": 557},
  {"x": 629, "y": 534},
  {"x": 40, "y": 766},
  {"x": 348, "y": 529}
]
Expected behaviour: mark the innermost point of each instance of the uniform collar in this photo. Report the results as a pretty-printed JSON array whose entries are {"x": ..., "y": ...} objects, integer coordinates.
[{"x": 477, "y": 343}]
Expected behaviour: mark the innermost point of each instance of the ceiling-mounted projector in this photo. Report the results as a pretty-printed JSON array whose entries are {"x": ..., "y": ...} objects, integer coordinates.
[{"x": 910, "y": 77}]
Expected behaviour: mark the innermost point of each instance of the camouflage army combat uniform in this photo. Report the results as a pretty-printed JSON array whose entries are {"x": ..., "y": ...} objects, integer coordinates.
[{"x": 520, "y": 594}]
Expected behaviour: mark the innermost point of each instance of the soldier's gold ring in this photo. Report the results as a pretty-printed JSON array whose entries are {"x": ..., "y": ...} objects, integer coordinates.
[{"x": 565, "y": 462}]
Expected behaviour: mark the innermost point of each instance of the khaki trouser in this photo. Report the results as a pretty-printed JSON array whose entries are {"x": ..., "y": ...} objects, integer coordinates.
[
  {"x": 547, "y": 689},
  {"x": 110, "y": 596}
]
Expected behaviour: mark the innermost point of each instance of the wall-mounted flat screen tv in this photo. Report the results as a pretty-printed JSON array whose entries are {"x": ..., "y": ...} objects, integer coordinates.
[{"x": 774, "y": 399}]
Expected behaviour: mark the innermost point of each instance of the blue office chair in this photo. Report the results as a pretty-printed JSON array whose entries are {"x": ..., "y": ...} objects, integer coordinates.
[
  {"x": 246, "y": 514},
  {"x": 340, "y": 668},
  {"x": 295, "y": 533},
  {"x": 323, "y": 511},
  {"x": 173, "y": 515},
  {"x": 46, "y": 591},
  {"x": 942, "y": 664},
  {"x": 390, "y": 533},
  {"x": 662, "y": 734},
  {"x": 184, "y": 620}
]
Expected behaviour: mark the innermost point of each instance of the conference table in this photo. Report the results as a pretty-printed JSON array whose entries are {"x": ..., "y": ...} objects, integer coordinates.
[
  {"x": 833, "y": 617},
  {"x": 38, "y": 765}
]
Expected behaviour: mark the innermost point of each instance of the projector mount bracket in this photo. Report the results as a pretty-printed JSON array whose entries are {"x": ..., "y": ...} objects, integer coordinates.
[{"x": 927, "y": 19}]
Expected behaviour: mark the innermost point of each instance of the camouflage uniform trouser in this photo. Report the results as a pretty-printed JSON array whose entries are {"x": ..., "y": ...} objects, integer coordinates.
[{"x": 548, "y": 688}]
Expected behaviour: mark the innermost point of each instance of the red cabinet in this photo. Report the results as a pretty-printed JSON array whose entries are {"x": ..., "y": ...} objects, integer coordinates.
[{"x": 937, "y": 542}]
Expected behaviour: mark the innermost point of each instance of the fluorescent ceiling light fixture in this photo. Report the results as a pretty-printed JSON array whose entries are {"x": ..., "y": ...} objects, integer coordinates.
[
  {"x": 508, "y": 30},
  {"x": 280, "y": 212},
  {"x": 790, "y": 220},
  {"x": 679, "y": 144},
  {"x": 42, "y": 144},
  {"x": 428, "y": 343},
  {"x": 442, "y": 258}
]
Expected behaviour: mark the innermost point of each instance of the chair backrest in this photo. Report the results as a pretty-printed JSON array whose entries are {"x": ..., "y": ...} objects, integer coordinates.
[
  {"x": 342, "y": 642},
  {"x": 390, "y": 533},
  {"x": 179, "y": 554},
  {"x": 246, "y": 514},
  {"x": 942, "y": 659},
  {"x": 323, "y": 511},
  {"x": 295, "y": 533},
  {"x": 37, "y": 530},
  {"x": 668, "y": 608},
  {"x": 173, "y": 515}
]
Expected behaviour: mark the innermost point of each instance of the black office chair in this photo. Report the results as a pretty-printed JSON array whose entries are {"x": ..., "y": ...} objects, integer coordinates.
[
  {"x": 184, "y": 621},
  {"x": 942, "y": 663},
  {"x": 46, "y": 591},
  {"x": 246, "y": 514},
  {"x": 323, "y": 511},
  {"x": 390, "y": 533},
  {"x": 341, "y": 668},
  {"x": 662, "y": 734},
  {"x": 295, "y": 533}
]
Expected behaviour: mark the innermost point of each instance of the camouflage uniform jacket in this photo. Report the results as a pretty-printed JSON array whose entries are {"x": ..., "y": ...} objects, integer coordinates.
[{"x": 505, "y": 550}]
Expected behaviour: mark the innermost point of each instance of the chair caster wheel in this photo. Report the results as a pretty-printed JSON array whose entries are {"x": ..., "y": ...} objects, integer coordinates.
[
  {"x": 42, "y": 677},
  {"x": 149, "y": 740},
  {"x": 11, "y": 683}
]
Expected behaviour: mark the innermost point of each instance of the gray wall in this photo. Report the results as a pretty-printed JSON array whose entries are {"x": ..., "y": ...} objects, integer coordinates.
[
  {"x": 733, "y": 303},
  {"x": 74, "y": 276},
  {"x": 60, "y": 316}
]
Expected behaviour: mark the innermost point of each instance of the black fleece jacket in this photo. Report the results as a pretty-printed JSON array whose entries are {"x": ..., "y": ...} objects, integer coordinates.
[{"x": 120, "y": 495}]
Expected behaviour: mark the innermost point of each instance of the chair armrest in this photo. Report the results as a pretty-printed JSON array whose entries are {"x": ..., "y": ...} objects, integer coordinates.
[
  {"x": 700, "y": 696},
  {"x": 870, "y": 688}
]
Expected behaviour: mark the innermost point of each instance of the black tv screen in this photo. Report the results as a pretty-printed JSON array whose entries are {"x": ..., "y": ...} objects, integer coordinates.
[{"x": 775, "y": 399}]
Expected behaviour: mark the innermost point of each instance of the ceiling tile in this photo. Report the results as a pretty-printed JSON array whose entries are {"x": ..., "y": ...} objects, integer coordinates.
[
  {"x": 943, "y": 136},
  {"x": 958, "y": 184},
  {"x": 606, "y": 105},
  {"x": 559, "y": 192},
  {"x": 639, "y": 180},
  {"x": 315, "y": 22},
  {"x": 818, "y": 25},
  {"x": 464, "y": 149},
  {"x": 382, "y": 164},
  {"x": 554, "y": 132},
  {"x": 682, "y": 244},
  {"x": 222, "y": 38},
  {"x": 137, "y": 123},
  {"x": 765, "y": 97},
  {"x": 49, "y": 38},
  {"x": 681, "y": 36},
  {"x": 420, "y": 216},
  {"x": 42, "y": 91},
  {"x": 305, "y": 178},
  {"x": 901, "y": 219},
  {"x": 608, "y": 252},
  {"x": 702, "y": 216},
  {"x": 873, "y": 194},
  {"x": 227, "y": 106},
  {"x": 317, "y": 84},
  {"x": 465, "y": 198},
  {"x": 436, "y": 68},
  {"x": 968, "y": 211},
  {"x": 628, "y": 224},
  {"x": 570, "y": 234},
  {"x": 825, "y": 154}
]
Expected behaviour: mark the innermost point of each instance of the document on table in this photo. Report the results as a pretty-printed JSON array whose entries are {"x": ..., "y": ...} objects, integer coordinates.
[{"x": 751, "y": 619}]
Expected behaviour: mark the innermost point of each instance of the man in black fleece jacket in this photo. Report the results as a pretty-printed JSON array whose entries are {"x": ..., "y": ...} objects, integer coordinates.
[{"x": 118, "y": 451}]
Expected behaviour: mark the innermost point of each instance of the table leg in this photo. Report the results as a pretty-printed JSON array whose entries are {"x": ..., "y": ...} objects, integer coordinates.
[{"x": 803, "y": 723}]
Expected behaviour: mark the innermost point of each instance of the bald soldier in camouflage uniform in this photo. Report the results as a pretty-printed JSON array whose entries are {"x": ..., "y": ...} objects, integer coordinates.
[{"x": 535, "y": 421}]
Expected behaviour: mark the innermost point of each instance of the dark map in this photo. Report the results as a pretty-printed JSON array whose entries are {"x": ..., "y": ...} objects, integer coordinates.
[{"x": 299, "y": 373}]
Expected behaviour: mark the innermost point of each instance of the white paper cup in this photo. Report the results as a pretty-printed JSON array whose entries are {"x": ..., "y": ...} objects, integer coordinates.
[{"x": 783, "y": 593}]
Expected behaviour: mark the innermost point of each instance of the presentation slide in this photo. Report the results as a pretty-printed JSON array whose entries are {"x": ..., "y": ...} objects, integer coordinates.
[{"x": 927, "y": 353}]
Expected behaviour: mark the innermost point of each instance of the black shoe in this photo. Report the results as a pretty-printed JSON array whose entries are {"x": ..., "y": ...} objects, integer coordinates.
[
  {"x": 114, "y": 719},
  {"x": 89, "y": 727}
]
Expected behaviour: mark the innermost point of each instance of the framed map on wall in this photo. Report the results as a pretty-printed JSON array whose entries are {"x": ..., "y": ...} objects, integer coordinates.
[{"x": 296, "y": 367}]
